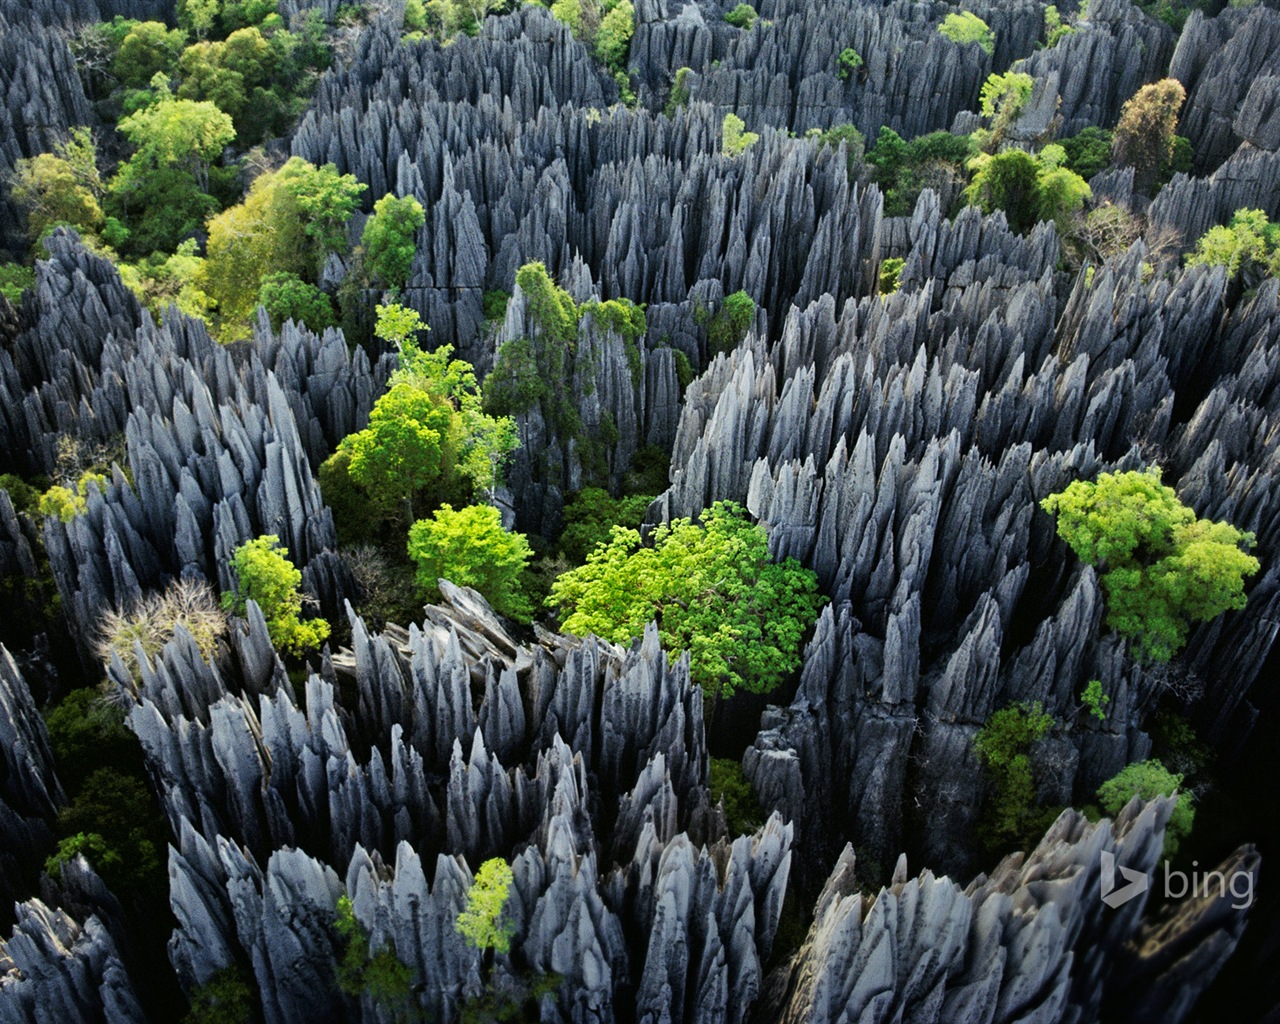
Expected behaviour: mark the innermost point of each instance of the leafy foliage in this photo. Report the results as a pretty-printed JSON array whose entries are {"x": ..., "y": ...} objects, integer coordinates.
[
  {"x": 482, "y": 442},
  {"x": 729, "y": 324},
  {"x": 1003, "y": 746},
  {"x": 85, "y": 731},
  {"x": 848, "y": 62},
  {"x": 551, "y": 307},
  {"x": 1148, "y": 780},
  {"x": 149, "y": 48},
  {"x": 712, "y": 590},
  {"x": 590, "y": 516},
  {"x": 679, "y": 95},
  {"x": 1095, "y": 699},
  {"x": 613, "y": 39},
  {"x": 1055, "y": 29},
  {"x": 399, "y": 324},
  {"x": 734, "y": 140},
  {"x": 1027, "y": 188},
  {"x": 742, "y": 16},
  {"x": 1144, "y": 136},
  {"x": 494, "y": 304},
  {"x": 470, "y": 548},
  {"x": 890, "y": 273},
  {"x": 173, "y": 133},
  {"x": 66, "y": 502},
  {"x": 483, "y": 922},
  {"x": 1162, "y": 568},
  {"x": 14, "y": 280},
  {"x": 380, "y": 976},
  {"x": 902, "y": 169},
  {"x": 127, "y": 846},
  {"x": 1249, "y": 247},
  {"x": 1088, "y": 151},
  {"x": 389, "y": 239},
  {"x": 965, "y": 27},
  {"x": 728, "y": 785},
  {"x": 62, "y": 187},
  {"x": 407, "y": 446},
  {"x": 226, "y": 998},
  {"x": 1002, "y": 99},
  {"x": 161, "y": 280},
  {"x": 514, "y": 385},
  {"x": 285, "y": 225},
  {"x": 263, "y": 573},
  {"x": 288, "y": 297}
]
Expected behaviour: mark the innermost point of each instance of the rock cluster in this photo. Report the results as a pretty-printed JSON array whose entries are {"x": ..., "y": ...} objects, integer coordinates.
[{"x": 221, "y": 445}]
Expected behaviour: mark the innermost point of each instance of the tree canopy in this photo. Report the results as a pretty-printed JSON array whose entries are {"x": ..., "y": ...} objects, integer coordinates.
[
  {"x": 712, "y": 589},
  {"x": 290, "y": 220},
  {"x": 1148, "y": 780},
  {"x": 966, "y": 27},
  {"x": 264, "y": 574},
  {"x": 1028, "y": 188},
  {"x": 62, "y": 187},
  {"x": 1144, "y": 136},
  {"x": 1249, "y": 247},
  {"x": 389, "y": 239},
  {"x": 469, "y": 547},
  {"x": 1162, "y": 568},
  {"x": 483, "y": 922}
]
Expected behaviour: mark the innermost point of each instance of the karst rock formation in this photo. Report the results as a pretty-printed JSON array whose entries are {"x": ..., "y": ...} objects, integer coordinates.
[{"x": 898, "y": 445}]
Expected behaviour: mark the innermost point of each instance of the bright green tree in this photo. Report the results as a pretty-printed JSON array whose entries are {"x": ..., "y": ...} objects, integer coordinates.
[
  {"x": 197, "y": 16},
  {"x": 965, "y": 27},
  {"x": 1007, "y": 181},
  {"x": 325, "y": 201},
  {"x": 1249, "y": 247},
  {"x": 410, "y": 443},
  {"x": 848, "y": 62},
  {"x": 1027, "y": 188},
  {"x": 614, "y": 36},
  {"x": 263, "y": 573},
  {"x": 470, "y": 548},
  {"x": 399, "y": 325},
  {"x": 205, "y": 76},
  {"x": 1162, "y": 568},
  {"x": 729, "y": 324},
  {"x": 389, "y": 239},
  {"x": 288, "y": 222},
  {"x": 484, "y": 922},
  {"x": 712, "y": 589},
  {"x": 1148, "y": 780},
  {"x": 743, "y": 16},
  {"x": 1002, "y": 99},
  {"x": 62, "y": 187},
  {"x": 165, "y": 184},
  {"x": 14, "y": 280},
  {"x": 734, "y": 140}
]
